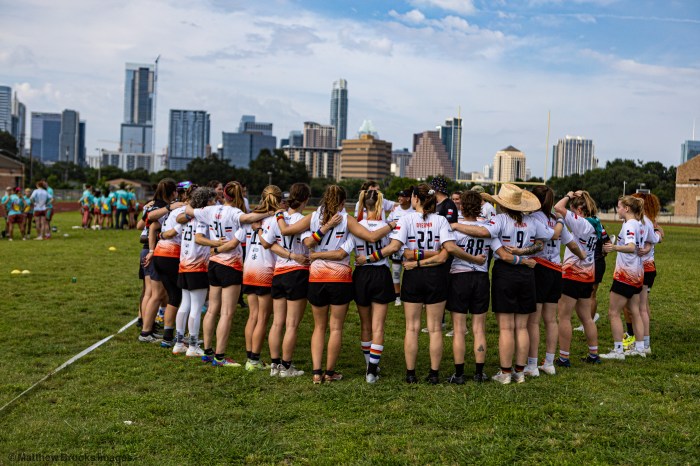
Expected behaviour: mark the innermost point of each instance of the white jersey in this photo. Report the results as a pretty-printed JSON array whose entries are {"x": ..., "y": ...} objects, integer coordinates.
[
  {"x": 652, "y": 237},
  {"x": 170, "y": 247},
  {"x": 394, "y": 216},
  {"x": 628, "y": 266},
  {"x": 222, "y": 222},
  {"x": 550, "y": 255},
  {"x": 259, "y": 262},
  {"x": 586, "y": 238},
  {"x": 475, "y": 247},
  {"x": 416, "y": 233},
  {"x": 518, "y": 235},
  {"x": 291, "y": 243},
  {"x": 487, "y": 211},
  {"x": 41, "y": 199},
  {"x": 386, "y": 206},
  {"x": 325, "y": 271},
  {"x": 364, "y": 248},
  {"x": 193, "y": 257}
]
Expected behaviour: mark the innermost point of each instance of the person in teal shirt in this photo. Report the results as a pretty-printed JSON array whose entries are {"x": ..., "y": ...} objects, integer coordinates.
[
  {"x": 122, "y": 199},
  {"x": 28, "y": 212},
  {"x": 132, "y": 206},
  {"x": 86, "y": 202},
  {"x": 49, "y": 209},
  {"x": 15, "y": 213}
]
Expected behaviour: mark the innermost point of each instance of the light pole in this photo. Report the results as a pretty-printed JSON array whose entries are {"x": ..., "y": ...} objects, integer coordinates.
[
  {"x": 624, "y": 187},
  {"x": 641, "y": 186},
  {"x": 99, "y": 164},
  {"x": 269, "y": 178}
]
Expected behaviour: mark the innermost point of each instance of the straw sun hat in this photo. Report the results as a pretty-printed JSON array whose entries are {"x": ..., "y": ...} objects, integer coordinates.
[{"x": 512, "y": 197}]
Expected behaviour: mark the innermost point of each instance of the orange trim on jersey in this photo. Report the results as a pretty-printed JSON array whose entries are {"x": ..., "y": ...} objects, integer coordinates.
[
  {"x": 258, "y": 278},
  {"x": 650, "y": 266},
  {"x": 186, "y": 268},
  {"x": 167, "y": 250},
  {"x": 549, "y": 264},
  {"x": 623, "y": 276},
  {"x": 337, "y": 273},
  {"x": 234, "y": 263},
  {"x": 283, "y": 270}
]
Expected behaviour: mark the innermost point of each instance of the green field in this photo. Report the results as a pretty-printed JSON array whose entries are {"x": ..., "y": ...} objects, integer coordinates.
[{"x": 181, "y": 411}]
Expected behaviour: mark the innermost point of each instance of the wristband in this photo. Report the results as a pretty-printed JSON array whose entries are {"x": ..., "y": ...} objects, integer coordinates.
[
  {"x": 376, "y": 256},
  {"x": 317, "y": 235},
  {"x": 168, "y": 207},
  {"x": 160, "y": 235},
  {"x": 279, "y": 216},
  {"x": 150, "y": 251},
  {"x": 560, "y": 220},
  {"x": 516, "y": 260},
  {"x": 216, "y": 250},
  {"x": 188, "y": 217},
  {"x": 418, "y": 254}
]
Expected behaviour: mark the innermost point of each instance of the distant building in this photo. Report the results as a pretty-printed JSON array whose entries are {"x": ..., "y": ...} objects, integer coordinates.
[
  {"x": 6, "y": 109},
  {"x": 429, "y": 157},
  {"x": 69, "y": 139},
  {"x": 488, "y": 172},
  {"x": 122, "y": 160},
  {"x": 11, "y": 173},
  {"x": 573, "y": 155},
  {"x": 19, "y": 124},
  {"x": 188, "y": 137},
  {"x": 339, "y": 110},
  {"x": 399, "y": 162},
  {"x": 249, "y": 125},
  {"x": 319, "y": 136},
  {"x": 509, "y": 165},
  {"x": 46, "y": 135},
  {"x": 688, "y": 189},
  {"x": 320, "y": 163},
  {"x": 295, "y": 139},
  {"x": 689, "y": 149},
  {"x": 451, "y": 137},
  {"x": 365, "y": 158},
  {"x": 139, "y": 100},
  {"x": 368, "y": 128},
  {"x": 243, "y": 147},
  {"x": 136, "y": 138}
]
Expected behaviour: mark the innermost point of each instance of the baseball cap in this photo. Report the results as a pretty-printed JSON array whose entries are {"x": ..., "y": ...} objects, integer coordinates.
[
  {"x": 478, "y": 188},
  {"x": 439, "y": 184},
  {"x": 404, "y": 193}
]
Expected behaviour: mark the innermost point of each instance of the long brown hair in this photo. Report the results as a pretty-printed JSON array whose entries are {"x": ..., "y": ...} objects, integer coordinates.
[
  {"x": 373, "y": 201},
  {"x": 635, "y": 204},
  {"x": 164, "y": 191},
  {"x": 333, "y": 202},
  {"x": 298, "y": 194},
  {"x": 546, "y": 197},
  {"x": 269, "y": 200},
  {"x": 233, "y": 193},
  {"x": 652, "y": 205},
  {"x": 471, "y": 204},
  {"x": 586, "y": 203},
  {"x": 426, "y": 197}
]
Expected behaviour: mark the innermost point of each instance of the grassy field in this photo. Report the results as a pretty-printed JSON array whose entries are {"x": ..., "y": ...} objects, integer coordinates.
[{"x": 637, "y": 411}]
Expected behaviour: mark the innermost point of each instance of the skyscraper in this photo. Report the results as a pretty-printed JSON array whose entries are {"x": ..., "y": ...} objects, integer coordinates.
[
  {"x": 451, "y": 136},
  {"x": 509, "y": 165},
  {"x": 339, "y": 110},
  {"x": 573, "y": 155},
  {"x": 399, "y": 162},
  {"x": 19, "y": 123},
  {"x": 70, "y": 135},
  {"x": 429, "y": 157},
  {"x": 319, "y": 136},
  {"x": 188, "y": 137},
  {"x": 365, "y": 158},
  {"x": 46, "y": 135},
  {"x": 689, "y": 149},
  {"x": 139, "y": 96},
  {"x": 243, "y": 147},
  {"x": 5, "y": 108}
]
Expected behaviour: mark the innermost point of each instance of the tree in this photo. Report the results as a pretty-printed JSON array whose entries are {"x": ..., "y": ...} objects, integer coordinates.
[
  {"x": 8, "y": 144},
  {"x": 283, "y": 172}
]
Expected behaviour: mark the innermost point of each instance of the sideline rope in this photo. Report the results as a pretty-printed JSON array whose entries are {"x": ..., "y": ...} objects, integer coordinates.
[{"x": 87, "y": 350}]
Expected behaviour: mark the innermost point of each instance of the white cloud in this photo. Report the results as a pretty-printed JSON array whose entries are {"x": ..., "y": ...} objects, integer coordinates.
[
  {"x": 462, "y": 7},
  {"x": 411, "y": 17}
]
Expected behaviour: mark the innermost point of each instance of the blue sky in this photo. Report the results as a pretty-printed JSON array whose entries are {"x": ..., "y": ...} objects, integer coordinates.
[{"x": 623, "y": 73}]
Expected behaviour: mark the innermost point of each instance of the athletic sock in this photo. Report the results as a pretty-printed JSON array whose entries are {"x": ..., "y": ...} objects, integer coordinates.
[
  {"x": 593, "y": 351},
  {"x": 248, "y": 353},
  {"x": 317, "y": 371},
  {"x": 630, "y": 329},
  {"x": 410, "y": 372},
  {"x": 366, "y": 345},
  {"x": 519, "y": 368},
  {"x": 179, "y": 338},
  {"x": 433, "y": 373},
  {"x": 273, "y": 360},
  {"x": 531, "y": 361},
  {"x": 145, "y": 334},
  {"x": 563, "y": 356},
  {"x": 168, "y": 334},
  {"x": 397, "y": 295},
  {"x": 459, "y": 370},
  {"x": 549, "y": 358},
  {"x": 255, "y": 357},
  {"x": 375, "y": 354},
  {"x": 330, "y": 373},
  {"x": 506, "y": 370},
  {"x": 209, "y": 352},
  {"x": 639, "y": 345},
  {"x": 372, "y": 368},
  {"x": 618, "y": 346},
  {"x": 479, "y": 367},
  {"x": 286, "y": 364},
  {"x": 220, "y": 356},
  {"x": 647, "y": 341}
]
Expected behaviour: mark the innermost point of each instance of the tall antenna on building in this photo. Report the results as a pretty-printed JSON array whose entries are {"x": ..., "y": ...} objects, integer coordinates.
[
  {"x": 546, "y": 147},
  {"x": 155, "y": 98}
]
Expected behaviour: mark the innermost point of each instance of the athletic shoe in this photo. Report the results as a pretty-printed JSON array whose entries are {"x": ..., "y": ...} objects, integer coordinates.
[
  {"x": 149, "y": 339},
  {"x": 451, "y": 333},
  {"x": 518, "y": 377},
  {"x": 480, "y": 378},
  {"x": 397, "y": 302},
  {"x": 291, "y": 372},
  {"x": 411, "y": 379},
  {"x": 579, "y": 328},
  {"x": 317, "y": 379},
  {"x": 647, "y": 350},
  {"x": 251, "y": 365},
  {"x": 502, "y": 377},
  {"x": 628, "y": 341},
  {"x": 226, "y": 362},
  {"x": 332, "y": 378},
  {"x": 560, "y": 363},
  {"x": 531, "y": 371},
  {"x": 456, "y": 379},
  {"x": 433, "y": 379},
  {"x": 425, "y": 329},
  {"x": 548, "y": 369},
  {"x": 275, "y": 369},
  {"x": 208, "y": 358},
  {"x": 194, "y": 351},
  {"x": 591, "y": 360},
  {"x": 167, "y": 344},
  {"x": 371, "y": 378},
  {"x": 634, "y": 352},
  {"x": 613, "y": 355},
  {"x": 157, "y": 335},
  {"x": 596, "y": 317},
  {"x": 179, "y": 348}
]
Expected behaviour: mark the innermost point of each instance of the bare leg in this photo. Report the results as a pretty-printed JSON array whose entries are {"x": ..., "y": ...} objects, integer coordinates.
[
  {"x": 549, "y": 315},
  {"x": 229, "y": 299},
  {"x": 565, "y": 308},
  {"x": 459, "y": 324},
  {"x": 295, "y": 312},
  {"x": 533, "y": 330},
  {"x": 252, "y": 321},
  {"x": 522, "y": 339},
  {"x": 335, "y": 340},
  {"x": 212, "y": 316},
  {"x": 274, "y": 339},
  {"x": 264, "y": 311},
  {"x": 318, "y": 337},
  {"x": 617, "y": 302},
  {"x": 583, "y": 307},
  {"x": 412, "y": 311},
  {"x": 506, "y": 340},
  {"x": 434, "y": 315},
  {"x": 479, "y": 331}
]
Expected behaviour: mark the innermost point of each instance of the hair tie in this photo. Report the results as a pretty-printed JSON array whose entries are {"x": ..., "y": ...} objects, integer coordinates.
[{"x": 431, "y": 192}]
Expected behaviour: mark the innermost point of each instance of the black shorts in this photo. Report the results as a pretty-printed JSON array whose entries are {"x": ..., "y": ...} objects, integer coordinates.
[
  {"x": 330, "y": 293},
  {"x": 149, "y": 271},
  {"x": 373, "y": 284},
  {"x": 623, "y": 289},
  {"x": 468, "y": 292},
  {"x": 256, "y": 290},
  {"x": 193, "y": 280},
  {"x": 599, "y": 270},
  {"x": 576, "y": 290},
  {"x": 547, "y": 284},
  {"x": 427, "y": 285},
  {"x": 291, "y": 286},
  {"x": 513, "y": 289},
  {"x": 223, "y": 275},
  {"x": 167, "y": 271},
  {"x": 649, "y": 278}
]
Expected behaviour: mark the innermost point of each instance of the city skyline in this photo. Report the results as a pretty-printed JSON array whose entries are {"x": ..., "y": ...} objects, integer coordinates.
[{"x": 620, "y": 72}]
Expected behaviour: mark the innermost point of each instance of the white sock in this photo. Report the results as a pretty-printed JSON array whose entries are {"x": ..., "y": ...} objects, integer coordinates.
[
  {"x": 198, "y": 297},
  {"x": 639, "y": 346},
  {"x": 531, "y": 361},
  {"x": 549, "y": 358},
  {"x": 366, "y": 345},
  {"x": 618, "y": 347},
  {"x": 647, "y": 341},
  {"x": 182, "y": 313}
]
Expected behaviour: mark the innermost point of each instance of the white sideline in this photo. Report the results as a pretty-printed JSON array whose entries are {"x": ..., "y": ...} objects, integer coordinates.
[{"x": 68, "y": 363}]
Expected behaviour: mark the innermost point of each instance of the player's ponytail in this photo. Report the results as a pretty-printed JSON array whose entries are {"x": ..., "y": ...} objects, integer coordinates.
[
  {"x": 269, "y": 200},
  {"x": 652, "y": 205},
  {"x": 586, "y": 203},
  {"x": 546, "y": 197},
  {"x": 333, "y": 202},
  {"x": 426, "y": 198},
  {"x": 298, "y": 194},
  {"x": 233, "y": 194},
  {"x": 361, "y": 206}
]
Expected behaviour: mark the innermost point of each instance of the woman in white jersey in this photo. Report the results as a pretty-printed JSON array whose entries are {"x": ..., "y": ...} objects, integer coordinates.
[
  {"x": 372, "y": 185},
  {"x": 404, "y": 207},
  {"x": 628, "y": 279},
  {"x": 421, "y": 231},
  {"x": 578, "y": 277},
  {"x": 513, "y": 288},
  {"x": 371, "y": 282}
]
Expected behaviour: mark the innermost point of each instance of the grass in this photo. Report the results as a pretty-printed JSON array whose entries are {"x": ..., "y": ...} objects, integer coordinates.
[{"x": 639, "y": 411}]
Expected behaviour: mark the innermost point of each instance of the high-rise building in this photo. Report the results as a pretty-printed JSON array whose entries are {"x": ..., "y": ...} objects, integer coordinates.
[
  {"x": 295, "y": 139},
  {"x": 188, "y": 137},
  {"x": 139, "y": 99},
  {"x": 319, "y": 136},
  {"x": 573, "y": 155},
  {"x": 365, "y": 158},
  {"x": 368, "y": 128},
  {"x": 399, "y": 162},
  {"x": 451, "y": 137},
  {"x": 5, "y": 108},
  {"x": 488, "y": 172},
  {"x": 19, "y": 123},
  {"x": 320, "y": 163},
  {"x": 429, "y": 157},
  {"x": 339, "y": 110},
  {"x": 82, "y": 144},
  {"x": 70, "y": 135},
  {"x": 509, "y": 165},
  {"x": 46, "y": 135},
  {"x": 123, "y": 160},
  {"x": 689, "y": 149},
  {"x": 243, "y": 147},
  {"x": 249, "y": 125}
]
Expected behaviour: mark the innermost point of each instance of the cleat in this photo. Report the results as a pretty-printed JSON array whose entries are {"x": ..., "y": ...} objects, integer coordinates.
[
  {"x": 451, "y": 333},
  {"x": 647, "y": 350},
  {"x": 502, "y": 377},
  {"x": 156, "y": 335},
  {"x": 275, "y": 369},
  {"x": 167, "y": 344},
  {"x": 628, "y": 341},
  {"x": 149, "y": 339},
  {"x": 579, "y": 328},
  {"x": 455, "y": 379},
  {"x": 179, "y": 348},
  {"x": 596, "y": 317},
  {"x": 433, "y": 379},
  {"x": 562, "y": 363},
  {"x": 397, "y": 302},
  {"x": 531, "y": 371},
  {"x": 480, "y": 378},
  {"x": 333, "y": 378},
  {"x": 208, "y": 358},
  {"x": 635, "y": 352},
  {"x": 548, "y": 369},
  {"x": 291, "y": 372},
  {"x": 518, "y": 377},
  {"x": 317, "y": 379},
  {"x": 411, "y": 379},
  {"x": 591, "y": 360},
  {"x": 613, "y": 355},
  {"x": 194, "y": 351},
  {"x": 228, "y": 362},
  {"x": 251, "y": 365},
  {"x": 371, "y": 378}
]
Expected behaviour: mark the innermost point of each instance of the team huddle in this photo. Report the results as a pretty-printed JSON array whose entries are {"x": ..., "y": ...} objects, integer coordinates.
[{"x": 203, "y": 247}]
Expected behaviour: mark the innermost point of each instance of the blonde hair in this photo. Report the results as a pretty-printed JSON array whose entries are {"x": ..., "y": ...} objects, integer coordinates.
[
  {"x": 373, "y": 201},
  {"x": 332, "y": 202},
  {"x": 586, "y": 203},
  {"x": 652, "y": 205},
  {"x": 635, "y": 204},
  {"x": 269, "y": 200},
  {"x": 233, "y": 194}
]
